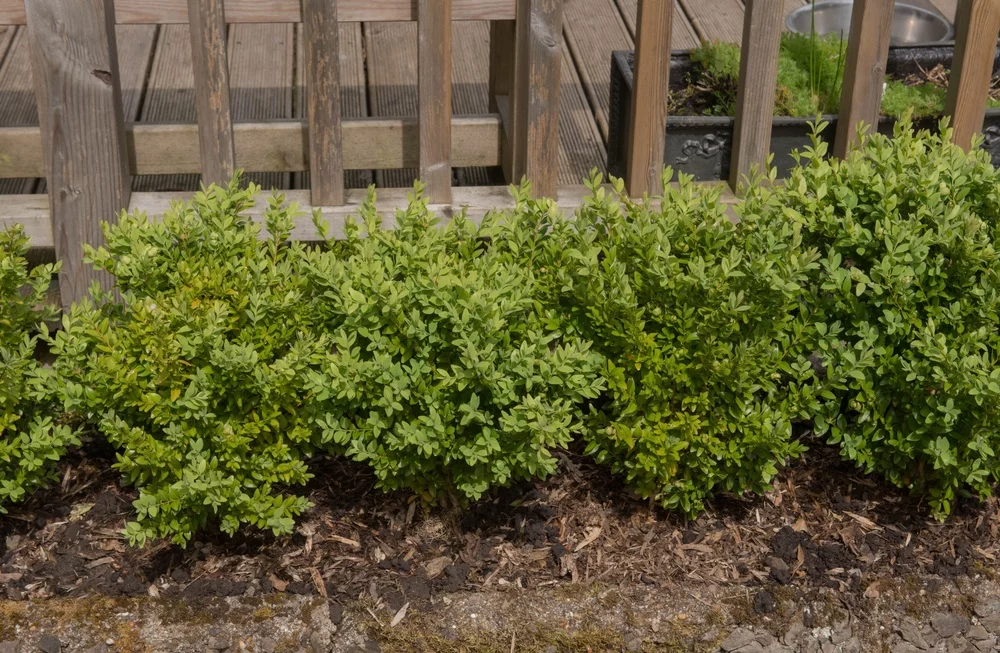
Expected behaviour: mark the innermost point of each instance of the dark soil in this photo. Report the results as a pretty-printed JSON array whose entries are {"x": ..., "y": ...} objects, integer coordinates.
[{"x": 822, "y": 526}]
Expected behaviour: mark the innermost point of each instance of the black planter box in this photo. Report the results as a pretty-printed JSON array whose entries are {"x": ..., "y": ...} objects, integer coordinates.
[{"x": 701, "y": 145}]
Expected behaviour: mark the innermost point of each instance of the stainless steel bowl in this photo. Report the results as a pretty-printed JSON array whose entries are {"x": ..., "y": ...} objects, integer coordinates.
[{"x": 911, "y": 25}]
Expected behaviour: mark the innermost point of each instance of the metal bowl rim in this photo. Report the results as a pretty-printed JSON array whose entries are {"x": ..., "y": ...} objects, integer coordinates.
[{"x": 949, "y": 34}]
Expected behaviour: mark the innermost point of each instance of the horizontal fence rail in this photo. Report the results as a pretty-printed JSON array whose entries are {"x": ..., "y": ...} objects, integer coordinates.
[{"x": 273, "y": 146}]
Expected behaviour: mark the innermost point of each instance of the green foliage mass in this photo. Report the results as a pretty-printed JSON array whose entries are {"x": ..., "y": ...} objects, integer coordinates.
[
  {"x": 905, "y": 305},
  {"x": 443, "y": 374},
  {"x": 196, "y": 375},
  {"x": 31, "y": 438},
  {"x": 697, "y": 319},
  {"x": 860, "y": 295}
]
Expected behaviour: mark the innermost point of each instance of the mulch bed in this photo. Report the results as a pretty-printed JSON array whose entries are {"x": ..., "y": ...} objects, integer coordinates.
[{"x": 823, "y": 526}]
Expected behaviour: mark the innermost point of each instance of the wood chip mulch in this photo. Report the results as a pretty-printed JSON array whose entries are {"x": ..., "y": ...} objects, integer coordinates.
[{"x": 823, "y": 525}]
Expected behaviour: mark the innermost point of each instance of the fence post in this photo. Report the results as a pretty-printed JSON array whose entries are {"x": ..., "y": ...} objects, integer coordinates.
[
  {"x": 762, "y": 22},
  {"x": 75, "y": 69},
  {"x": 434, "y": 97},
  {"x": 644, "y": 160},
  {"x": 326, "y": 163},
  {"x": 864, "y": 70},
  {"x": 977, "y": 23},
  {"x": 211, "y": 90},
  {"x": 535, "y": 105}
]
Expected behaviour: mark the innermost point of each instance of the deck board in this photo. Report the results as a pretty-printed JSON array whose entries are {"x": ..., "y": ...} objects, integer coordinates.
[
  {"x": 470, "y": 71},
  {"x": 391, "y": 53},
  {"x": 169, "y": 98},
  {"x": 580, "y": 144},
  {"x": 261, "y": 65},
  {"x": 947, "y": 7},
  {"x": 682, "y": 34},
  {"x": 593, "y": 29}
]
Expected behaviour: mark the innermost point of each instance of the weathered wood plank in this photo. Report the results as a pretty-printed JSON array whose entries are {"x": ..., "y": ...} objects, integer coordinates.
[
  {"x": 977, "y": 23},
  {"x": 278, "y": 146},
  {"x": 758, "y": 78},
  {"x": 434, "y": 97},
  {"x": 211, "y": 89},
  {"x": 593, "y": 29},
  {"x": 644, "y": 158},
  {"x": 947, "y": 7},
  {"x": 322, "y": 71},
  {"x": 682, "y": 35},
  {"x": 535, "y": 101},
  {"x": 75, "y": 71},
  {"x": 470, "y": 80},
  {"x": 864, "y": 70},
  {"x": 391, "y": 53},
  {"x": 719, "y": 20},
  {"x": 32, "y": 210},
  {"x": 261, "y": 65},
  {"x": 580, "y": 145},
  {"x": 279, "y": 11},
  {"x": 170, "y": 99}
]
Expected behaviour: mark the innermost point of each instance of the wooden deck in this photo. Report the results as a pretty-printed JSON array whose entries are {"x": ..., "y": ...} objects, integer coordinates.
[{"x": 378, "y": 73}]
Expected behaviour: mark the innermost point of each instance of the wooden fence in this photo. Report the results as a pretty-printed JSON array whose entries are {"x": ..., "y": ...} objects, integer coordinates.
[
  {"x": 977, "y": 25},
  {"x": 88, "y": 152}
]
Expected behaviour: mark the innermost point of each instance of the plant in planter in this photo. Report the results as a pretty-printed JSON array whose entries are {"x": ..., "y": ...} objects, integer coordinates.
[
  {"x": 31, "y": 438},
  {"x": 906, "y": 304},
  {"x": 703, "y": 87},
  {"x": 697, "y": 319},
  {"x": 443, "y": 374},
  {"x": 810, "y": 75},
  {"x": 196, "y": 376}
]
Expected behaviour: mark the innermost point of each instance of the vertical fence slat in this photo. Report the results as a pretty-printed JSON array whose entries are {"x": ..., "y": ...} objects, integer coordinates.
[
  {"x": 501, "y": 83},
  {"x": 434, "y": 97},
  {"x": 211, "y": 88},
  {"x": 322, "y": 63},
  {"x": 535, "y": 106},
  {"x": 501, "y": 59},
  {"x": 649, "y": 96},
  {"x": 75, "y": 70},
  {"x": 977, "y": 23},
  {"x": 864, "y": 70},
  {"x": 762, "y": 23}
]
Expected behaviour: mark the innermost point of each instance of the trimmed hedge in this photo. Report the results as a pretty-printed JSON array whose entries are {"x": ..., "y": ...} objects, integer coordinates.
[
  {"x": 697, "y": 320},
  {"x": 442, "y": 374},
  {"x": 32, "y": 439},
  {"x": 684, "y": 349},
  {"x": 905, "y": 305},
  {"x": 197, "y": 375}
]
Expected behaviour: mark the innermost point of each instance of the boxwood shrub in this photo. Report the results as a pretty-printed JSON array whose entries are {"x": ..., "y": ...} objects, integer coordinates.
[
  {"x": 697, "y": 320},
  {"x": 905, "y": 305},
  {"x": 32, "y": 437},
  {"x": 442, "y": 375},
  {"x": 196, "y": 375}
]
